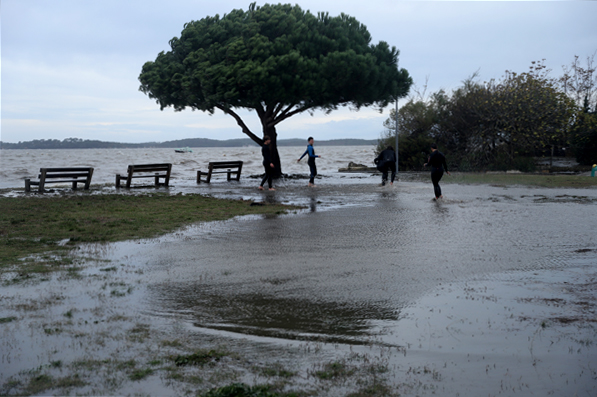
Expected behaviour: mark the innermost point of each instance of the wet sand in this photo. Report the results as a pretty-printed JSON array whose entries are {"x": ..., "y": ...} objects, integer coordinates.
[{"x": 488, "y": 292}]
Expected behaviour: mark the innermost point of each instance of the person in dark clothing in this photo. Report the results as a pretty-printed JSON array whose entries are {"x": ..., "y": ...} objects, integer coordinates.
[
  {"x": 267, "y": 163},
  {"x": 438, "y": 164},
  {"x": 312, "y": 156},
  {"x": 385, "y": 162}
]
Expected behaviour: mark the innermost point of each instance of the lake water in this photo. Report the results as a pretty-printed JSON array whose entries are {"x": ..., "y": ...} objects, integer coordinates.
[{"x": 16, "y": 165}]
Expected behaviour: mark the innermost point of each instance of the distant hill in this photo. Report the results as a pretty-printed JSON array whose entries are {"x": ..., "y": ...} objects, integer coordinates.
[{"x": 77, "y": 143}]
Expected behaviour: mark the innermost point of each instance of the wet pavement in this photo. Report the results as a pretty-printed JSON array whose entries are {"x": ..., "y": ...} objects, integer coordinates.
[{"x": 458, "y": 287}]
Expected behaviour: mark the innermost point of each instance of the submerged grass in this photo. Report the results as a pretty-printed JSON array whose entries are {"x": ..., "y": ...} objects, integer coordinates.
[
  {"x": 38, "y": 231},
  {"x": 503, "y": 179}
]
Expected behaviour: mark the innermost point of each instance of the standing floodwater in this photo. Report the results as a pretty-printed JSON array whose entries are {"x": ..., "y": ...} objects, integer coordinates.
[{"x": 489, "y": 291}]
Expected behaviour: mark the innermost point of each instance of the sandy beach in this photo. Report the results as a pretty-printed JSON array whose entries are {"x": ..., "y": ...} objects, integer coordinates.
[{"x": 369, "y": 290}]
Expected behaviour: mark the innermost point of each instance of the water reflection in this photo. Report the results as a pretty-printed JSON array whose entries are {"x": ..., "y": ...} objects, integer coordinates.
[{"x": 313, "y": 204}]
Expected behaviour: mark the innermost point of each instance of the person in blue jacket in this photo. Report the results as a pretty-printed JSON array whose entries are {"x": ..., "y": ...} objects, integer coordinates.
[
  {"x": 267, "y": 163},
  {"x": 312, "y": 156}
]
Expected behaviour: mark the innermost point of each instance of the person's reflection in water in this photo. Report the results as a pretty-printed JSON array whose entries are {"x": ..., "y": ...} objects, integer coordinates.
[
  {"x": 271, "y": 199},
  {"x": 313, "y": 204}
]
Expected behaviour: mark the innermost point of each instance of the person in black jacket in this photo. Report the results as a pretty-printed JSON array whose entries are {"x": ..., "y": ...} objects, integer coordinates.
[
  {"x": 386, "y": 161},
  {"x": 267, "y": 163},
  {"x": 438, "y": 164}
]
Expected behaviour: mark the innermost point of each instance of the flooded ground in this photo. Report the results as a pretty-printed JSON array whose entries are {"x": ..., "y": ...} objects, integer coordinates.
[{"x": 371, "y": 290}]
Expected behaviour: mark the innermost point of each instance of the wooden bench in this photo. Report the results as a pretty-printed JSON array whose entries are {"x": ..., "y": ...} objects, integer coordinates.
[
  {"x": 219, "y": 165},
  {"x": 146, "y": 171},
  {"x": 72, "y": 175}
]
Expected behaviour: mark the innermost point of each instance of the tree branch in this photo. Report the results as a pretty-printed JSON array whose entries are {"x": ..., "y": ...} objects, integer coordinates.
[
  {"x": 241, "y": 123},
  {"x": 260, "y": 111},
  {"x": 277, "y": 109},
  {"x": 286, "y": 114}
]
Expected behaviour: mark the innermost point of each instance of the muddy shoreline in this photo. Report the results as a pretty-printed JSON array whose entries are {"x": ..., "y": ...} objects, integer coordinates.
[{"x": 369, "y": 291}]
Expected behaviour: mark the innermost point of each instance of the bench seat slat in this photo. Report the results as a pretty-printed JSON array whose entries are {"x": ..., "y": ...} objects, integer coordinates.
[{"x": 59, "y": 181}]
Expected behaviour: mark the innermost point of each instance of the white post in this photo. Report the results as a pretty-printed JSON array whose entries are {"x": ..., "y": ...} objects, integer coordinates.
[{"x": 396, "y": 124}]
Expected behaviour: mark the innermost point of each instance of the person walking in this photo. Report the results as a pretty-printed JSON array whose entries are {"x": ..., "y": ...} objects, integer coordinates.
[
  {"x": 438, "y": 164},
  {"x": 267, "y": 163},
  {"x": 385, "y": 162},
  {"x": 312, "y": 156}
]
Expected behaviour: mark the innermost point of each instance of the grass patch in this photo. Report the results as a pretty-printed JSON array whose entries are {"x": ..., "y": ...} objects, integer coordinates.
[
  {"x": 374, "y": 390},
  {"x": 240, "y": 389},
  {"x": 334, "y": 370},
  {"x": 39, "y": 383},
  {"x": 4, "y": 320},
  {"x": 276, "y": 370},
  {"x": 199, "y": 358},
  {"x": 70, "y": 381},
  {"x": 38, "y": 232},
  {"x": 139, "y": 374}
]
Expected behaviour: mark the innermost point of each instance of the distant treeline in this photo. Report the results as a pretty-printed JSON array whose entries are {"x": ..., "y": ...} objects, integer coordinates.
[{"x": 77, "y": 143}]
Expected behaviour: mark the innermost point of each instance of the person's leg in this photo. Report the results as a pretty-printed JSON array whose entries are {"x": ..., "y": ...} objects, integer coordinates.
[
  {"x": 313, "y": 170},
  {"x": 266, "y": 177},
  {"x": 269, "y": 178},
  {"x": 384, "y": 176},
  {"x": 393, "y": 168},
  {"x": 436, "y": 176}
]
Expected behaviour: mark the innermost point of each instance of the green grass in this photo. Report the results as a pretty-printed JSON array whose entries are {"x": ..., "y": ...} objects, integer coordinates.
[
  {"x": 241, "y": 390},
  {"x": 199, "y": 358},
  {"x": 38, "y": 232},
  {"x": 139, "y": 374},
  {"x": 40, "y": 383},
  {"x": 334, "y": 370}
]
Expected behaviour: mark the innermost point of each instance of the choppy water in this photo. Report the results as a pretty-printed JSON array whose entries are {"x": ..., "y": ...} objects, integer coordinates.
[{"x": 16, "y": 165}]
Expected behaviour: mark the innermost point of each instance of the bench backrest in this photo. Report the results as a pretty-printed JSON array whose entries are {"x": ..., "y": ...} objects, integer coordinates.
[
  {"x": 69, "y": 172},
  {"x": 149, "y": 167},
  {"x": 224, "y": 164}
]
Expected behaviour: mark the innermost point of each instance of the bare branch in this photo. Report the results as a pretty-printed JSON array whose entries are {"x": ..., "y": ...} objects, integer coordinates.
[
  {"x": 287, "y": 113},
  {"x": 241, "y": 123}
]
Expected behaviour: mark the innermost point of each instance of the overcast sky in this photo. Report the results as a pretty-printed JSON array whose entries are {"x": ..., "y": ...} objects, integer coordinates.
[{"x": 70, "y": 67}]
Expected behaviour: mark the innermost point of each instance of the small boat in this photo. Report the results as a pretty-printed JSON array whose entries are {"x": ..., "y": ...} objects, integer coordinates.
[{"x": 183, "y": 150}]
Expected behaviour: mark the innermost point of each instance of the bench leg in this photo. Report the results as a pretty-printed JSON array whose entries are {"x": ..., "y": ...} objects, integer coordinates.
[
  {"x": 117, "y": 181},
  {"x": 229, "y": 175},
  {"x": 42, "y": 180},
  {"x": 88, "y": 180},
  {"x": 75, "y": 185},
  {"x": 27, "y": 185},
  {"x": 198, "y": 176},
  {"x": 157, "y": 179}
]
